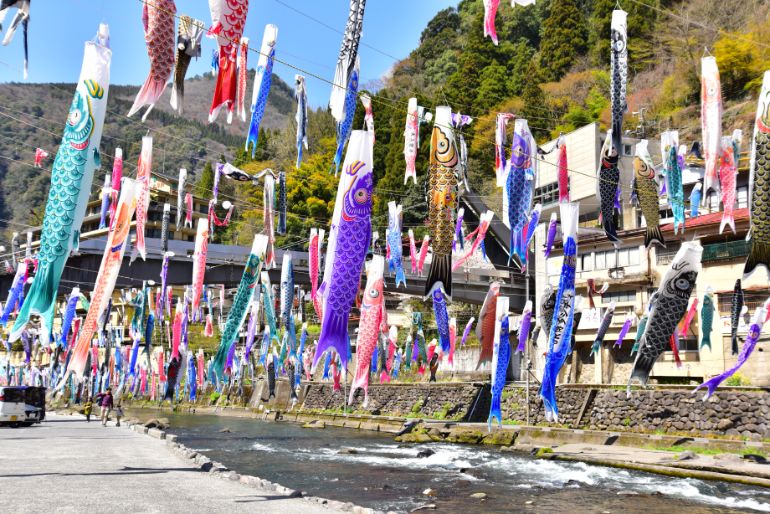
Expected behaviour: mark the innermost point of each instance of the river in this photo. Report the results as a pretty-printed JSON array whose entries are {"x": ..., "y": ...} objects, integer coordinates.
[{"x": 372, "y": 470}]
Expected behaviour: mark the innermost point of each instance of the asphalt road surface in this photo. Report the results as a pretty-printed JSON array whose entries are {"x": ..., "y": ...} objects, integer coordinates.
[{"x": 68, "y": 465}]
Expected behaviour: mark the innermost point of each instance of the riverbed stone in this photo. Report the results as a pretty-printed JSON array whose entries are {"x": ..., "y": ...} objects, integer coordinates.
[{"x": 500, "y": 438}]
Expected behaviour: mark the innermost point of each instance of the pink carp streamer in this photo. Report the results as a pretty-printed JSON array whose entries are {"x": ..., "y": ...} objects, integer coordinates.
[
  {"x": 480, "y": 233},
  {"x": 108, "y": 275},
  {"x": 199, "y": 263},
  {"x": 423, "y": 253},
  {"x": 412, "y": 252},
  {"x": 368, "y": 327},
  {"x": 689, "y": 317},
  {"x": 188, "y": 203},
  {"x": 228, "y": 19},
  {"x": 452, "y": 340},
  {"x": 490, "y": 13},
  {"x": 117, "y": 177},
  {"x": 240, "y": 92},
  {"x": 143, "y": 199},
  {"x": 158, "y": 18},
  {"x": 561, "y": 144},
  {"x": 728, "y": 172},
  {"x": 711, "y": 122},
  {"x": 40, "y": 155},
  {"x": 411, "y": 141}
]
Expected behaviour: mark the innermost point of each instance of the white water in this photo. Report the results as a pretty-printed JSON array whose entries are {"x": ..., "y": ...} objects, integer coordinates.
[{"x": 526, "y": 473}]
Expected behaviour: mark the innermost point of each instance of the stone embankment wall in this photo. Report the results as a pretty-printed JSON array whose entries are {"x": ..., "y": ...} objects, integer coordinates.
[
  {"x": 729, "y": 412},
  {"x": 451, "y": 401}
]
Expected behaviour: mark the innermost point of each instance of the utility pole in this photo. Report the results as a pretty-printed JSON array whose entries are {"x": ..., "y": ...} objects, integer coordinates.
[{"x": 526, "y": 346}]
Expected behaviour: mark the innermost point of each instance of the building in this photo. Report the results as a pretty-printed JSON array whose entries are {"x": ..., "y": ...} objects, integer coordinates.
[{"x": 633, "y": 272}]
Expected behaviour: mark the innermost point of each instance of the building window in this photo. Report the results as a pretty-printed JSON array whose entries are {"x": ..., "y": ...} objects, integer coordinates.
[
  {"x": 666, "y": 255},
  {"x": 623, "y": 257},
  {"x": 547, "y": 194},
  {"x": 713, "y": 202},
  {"x": 751, "y": 299},
  {"x": 619, "y": 296},
  {"x": 600, "y": 260},
  {"x": 586, "y": 262},
  {"x": 628, "y": 150},
  {"x": 686, "y": 344},
  {"x": 742, "y": 194},
  {"x": 633, "y": 256}
]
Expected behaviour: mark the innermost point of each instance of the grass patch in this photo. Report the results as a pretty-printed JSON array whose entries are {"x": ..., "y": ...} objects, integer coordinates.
[
  {"x": 706, "y": 451},
  {"x": 542, "y": 452}
]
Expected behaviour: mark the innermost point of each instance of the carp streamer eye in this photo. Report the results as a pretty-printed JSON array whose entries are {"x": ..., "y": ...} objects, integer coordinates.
[
  {"x": 75, "y": 117},
  {"x": 361, "y": 195},
  {"x": 374, "y": 293},
  {"x": 682, "y": 283}
]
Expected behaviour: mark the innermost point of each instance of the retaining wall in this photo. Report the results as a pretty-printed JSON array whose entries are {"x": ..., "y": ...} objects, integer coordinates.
[
  {"x": 729, "y": 412},
  {"x": 455, "y": 401}
]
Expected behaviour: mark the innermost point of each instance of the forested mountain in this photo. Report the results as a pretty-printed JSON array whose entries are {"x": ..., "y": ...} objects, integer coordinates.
[
  {"x": 33, "y": 115},
  {"x": 551, "y": 66}
]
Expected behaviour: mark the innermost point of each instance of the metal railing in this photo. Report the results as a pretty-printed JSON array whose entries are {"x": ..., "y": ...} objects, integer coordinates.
[{"x": 724, "y": 251}]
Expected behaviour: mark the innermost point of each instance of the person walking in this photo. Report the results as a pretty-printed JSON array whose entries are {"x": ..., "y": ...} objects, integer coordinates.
[
  {"x": 88, "y": 408},
  {"x": 118, "y": 413},
  {"x": 433, "y": 367},
  {"x": 106, "y": 404}
]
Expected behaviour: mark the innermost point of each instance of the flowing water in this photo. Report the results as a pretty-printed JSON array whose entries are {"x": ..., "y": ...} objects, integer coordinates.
[{"x": 372, "y": 470}]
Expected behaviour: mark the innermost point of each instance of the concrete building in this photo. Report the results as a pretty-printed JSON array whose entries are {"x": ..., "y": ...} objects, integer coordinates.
[{"x": 633, "y": 272}]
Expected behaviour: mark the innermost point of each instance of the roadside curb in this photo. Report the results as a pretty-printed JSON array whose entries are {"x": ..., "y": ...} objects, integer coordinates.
[{"x": 219, "y": 470}]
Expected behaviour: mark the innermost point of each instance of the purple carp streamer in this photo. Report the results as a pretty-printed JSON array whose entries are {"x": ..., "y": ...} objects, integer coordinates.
[
  {"x": 752, "y": 336},
  {"x": 347, "y": 248}
]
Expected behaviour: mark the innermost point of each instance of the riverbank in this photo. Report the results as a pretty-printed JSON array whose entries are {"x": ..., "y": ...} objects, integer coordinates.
[
  {"x": 372, "y": 470},
  {"x": 724, "y": 459},
  {"x": 86, "y": 467}
]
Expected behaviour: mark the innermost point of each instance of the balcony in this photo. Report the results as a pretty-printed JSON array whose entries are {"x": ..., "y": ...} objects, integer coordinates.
[{"x": 725, "y": 251}]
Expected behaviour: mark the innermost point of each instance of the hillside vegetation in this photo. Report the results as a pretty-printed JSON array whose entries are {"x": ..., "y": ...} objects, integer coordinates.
[
  {"x": 551, "y": 67},
  {"x": 33, "y": 115}
]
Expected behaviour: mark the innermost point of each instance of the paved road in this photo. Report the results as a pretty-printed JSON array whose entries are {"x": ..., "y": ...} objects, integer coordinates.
[{"x": 68, "y": 465}]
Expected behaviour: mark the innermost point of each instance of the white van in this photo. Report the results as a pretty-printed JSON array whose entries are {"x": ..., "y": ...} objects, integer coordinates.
[{"x": 21, "y": 406}]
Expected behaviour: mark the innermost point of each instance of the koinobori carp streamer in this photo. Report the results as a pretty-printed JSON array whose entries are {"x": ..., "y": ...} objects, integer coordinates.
[{"x": 71, "y": 178}]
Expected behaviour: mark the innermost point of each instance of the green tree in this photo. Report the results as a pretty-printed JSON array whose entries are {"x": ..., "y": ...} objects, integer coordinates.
[
  {"x": 205, "y": 184},
  {"x": 564, "y": 39},
  {"x": 493, "y": 88}
]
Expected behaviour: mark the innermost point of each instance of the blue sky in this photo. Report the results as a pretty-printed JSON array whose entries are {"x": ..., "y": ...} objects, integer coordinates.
[{"x": 58, "y": 29}]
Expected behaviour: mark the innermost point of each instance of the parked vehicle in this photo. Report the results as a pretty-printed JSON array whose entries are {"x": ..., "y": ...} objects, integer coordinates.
[{"x": 21, "y": 406}]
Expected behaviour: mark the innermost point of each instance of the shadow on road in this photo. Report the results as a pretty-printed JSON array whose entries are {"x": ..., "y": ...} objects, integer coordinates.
[{"x": 123, "y": 471}]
